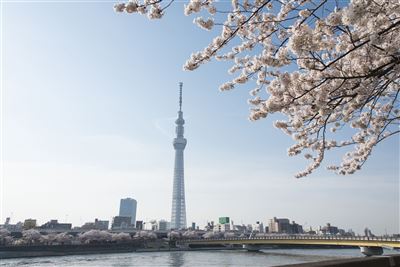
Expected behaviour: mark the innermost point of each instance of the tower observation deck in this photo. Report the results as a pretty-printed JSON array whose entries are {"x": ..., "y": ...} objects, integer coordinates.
[{"x": 178, "y": 214}]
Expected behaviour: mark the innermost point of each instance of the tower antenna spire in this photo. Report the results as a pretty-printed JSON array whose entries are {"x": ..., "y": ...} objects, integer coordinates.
[{"x": 180, "y": 95}]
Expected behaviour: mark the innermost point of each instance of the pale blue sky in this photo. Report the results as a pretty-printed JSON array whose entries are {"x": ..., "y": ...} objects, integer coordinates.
[{"x": 89, "y": 101}]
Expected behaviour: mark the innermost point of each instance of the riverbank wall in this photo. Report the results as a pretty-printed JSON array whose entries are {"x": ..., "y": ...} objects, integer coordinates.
[{"x": 64, "y": 250}]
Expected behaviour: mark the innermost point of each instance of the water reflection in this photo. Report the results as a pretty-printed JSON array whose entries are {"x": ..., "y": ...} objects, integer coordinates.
[
  {"x": 176, "y": 258},
  {"x": 231, "y": 258}
]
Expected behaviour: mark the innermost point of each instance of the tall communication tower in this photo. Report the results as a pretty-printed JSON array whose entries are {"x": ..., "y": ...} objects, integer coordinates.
[{"x": 178, "y": 214}]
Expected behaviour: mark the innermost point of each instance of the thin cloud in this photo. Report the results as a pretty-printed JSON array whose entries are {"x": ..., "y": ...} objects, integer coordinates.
[{"x": 160, "y": 125}]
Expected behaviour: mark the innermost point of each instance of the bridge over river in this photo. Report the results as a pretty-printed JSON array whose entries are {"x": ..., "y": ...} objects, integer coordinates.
[{"x": 368, "y": 245}]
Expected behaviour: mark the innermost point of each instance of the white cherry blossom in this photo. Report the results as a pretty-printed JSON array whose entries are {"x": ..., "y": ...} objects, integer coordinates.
[{"x": 332, "y": 68}]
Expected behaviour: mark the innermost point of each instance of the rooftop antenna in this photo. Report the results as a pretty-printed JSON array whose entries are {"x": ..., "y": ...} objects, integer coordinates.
[{"x": 180, "y": 95}]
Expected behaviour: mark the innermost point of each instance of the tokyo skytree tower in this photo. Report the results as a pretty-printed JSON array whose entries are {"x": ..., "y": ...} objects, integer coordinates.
[{"x": 178, "y": 214}]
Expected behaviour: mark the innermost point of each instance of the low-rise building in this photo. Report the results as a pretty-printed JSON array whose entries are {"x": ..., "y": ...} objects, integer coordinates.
[
  {"x": 209, "y": 226},
  {"x": 240, "y": 228},
  {"x": 18, "y": 227},
  {"x": 101, "y": 224},
  {"x": 29, "y": 224},
  {"x": 224, "y": 220},
  {"x": 222, "y": 227},
  {"x": 139, "y": 225},
  {"x": 54, "y": 225},
  {"x": 162, "y": 225},
  {"x": 296, "y": 228},
  {"x": 96, "y": 225},
  {"x": 328, "y": 230},
  {"x": 283, "y": 226},
  {"x": 258, "y": 227},
  {"x": 121, "y": 222},
  {"x": 88, "y": 226}
]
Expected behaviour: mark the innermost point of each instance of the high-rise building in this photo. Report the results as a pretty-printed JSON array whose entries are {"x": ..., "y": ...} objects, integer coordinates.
[
  {"x": 127, "y": 208},
  {"x": 178, "y": 214}
]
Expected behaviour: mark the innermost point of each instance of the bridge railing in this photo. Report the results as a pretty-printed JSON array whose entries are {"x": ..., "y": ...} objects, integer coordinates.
[{"x": 301, "y": 237}]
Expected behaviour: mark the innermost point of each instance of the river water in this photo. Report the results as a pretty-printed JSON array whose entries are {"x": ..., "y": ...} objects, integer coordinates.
[{"x": 271, "y": 257}]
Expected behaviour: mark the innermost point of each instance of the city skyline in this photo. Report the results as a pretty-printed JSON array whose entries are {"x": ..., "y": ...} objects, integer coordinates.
[
  {"x": 89, "y": 104},
  {"x": 222, "y": 224}
]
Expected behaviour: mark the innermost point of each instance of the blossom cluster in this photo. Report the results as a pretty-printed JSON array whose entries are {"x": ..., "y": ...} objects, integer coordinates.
[
  {"x": 33, "y": 236},
  {"x": 332, "y": 71},
  {"x": 152, "y": 9}
]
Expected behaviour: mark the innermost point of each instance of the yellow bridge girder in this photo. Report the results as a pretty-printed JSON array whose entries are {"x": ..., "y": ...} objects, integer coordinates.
[{"x": 301, "y": 240}]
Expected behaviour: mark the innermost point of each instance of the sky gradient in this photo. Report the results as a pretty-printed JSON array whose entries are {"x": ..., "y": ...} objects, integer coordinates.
[{"x": 89, "y": 102}]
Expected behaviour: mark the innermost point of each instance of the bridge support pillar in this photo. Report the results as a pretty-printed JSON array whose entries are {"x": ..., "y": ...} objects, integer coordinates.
[
  {"x": 371, "y": 251},
  {"x": 251, "y": 248}
]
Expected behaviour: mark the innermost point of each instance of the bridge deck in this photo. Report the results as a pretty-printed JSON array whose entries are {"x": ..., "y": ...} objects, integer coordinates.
[{"x": 299, "y": 240}]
